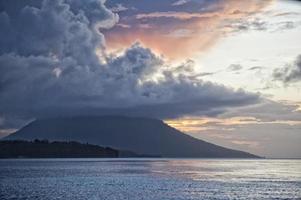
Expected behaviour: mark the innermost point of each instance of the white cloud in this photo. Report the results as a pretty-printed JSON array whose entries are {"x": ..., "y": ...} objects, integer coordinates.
[{"x": 180, "y": 2}]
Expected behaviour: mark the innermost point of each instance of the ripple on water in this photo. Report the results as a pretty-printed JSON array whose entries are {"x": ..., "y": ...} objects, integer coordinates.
[{"x": 150, "y": 179}]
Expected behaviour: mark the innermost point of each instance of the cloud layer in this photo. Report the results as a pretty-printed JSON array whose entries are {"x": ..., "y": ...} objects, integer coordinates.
[{"x": 53, "y": 62}]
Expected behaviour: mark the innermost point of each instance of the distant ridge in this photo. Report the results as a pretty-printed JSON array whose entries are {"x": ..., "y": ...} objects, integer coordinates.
[
  {"x": 139, "y": 135},
  {"x": 45, "y": 149}
]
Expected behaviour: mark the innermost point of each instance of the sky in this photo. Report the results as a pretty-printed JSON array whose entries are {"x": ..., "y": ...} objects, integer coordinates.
[{"x": 225, "y": 71}]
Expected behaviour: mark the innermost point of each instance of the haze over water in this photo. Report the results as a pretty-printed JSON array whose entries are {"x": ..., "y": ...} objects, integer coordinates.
[{"x": 149, "y": 179}]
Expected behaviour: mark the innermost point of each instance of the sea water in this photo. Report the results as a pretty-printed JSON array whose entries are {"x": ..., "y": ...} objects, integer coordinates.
[{"x": 157, "y": 179}]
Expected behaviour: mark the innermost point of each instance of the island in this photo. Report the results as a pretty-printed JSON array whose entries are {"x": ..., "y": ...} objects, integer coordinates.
[{"x": 56, "y": 149}]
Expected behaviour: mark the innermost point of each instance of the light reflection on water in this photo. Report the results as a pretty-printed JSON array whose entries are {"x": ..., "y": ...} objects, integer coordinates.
[{"x": 150, "y": 179}]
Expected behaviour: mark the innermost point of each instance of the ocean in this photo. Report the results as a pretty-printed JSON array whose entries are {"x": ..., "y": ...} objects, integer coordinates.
[{"x": 156, "y": 179}]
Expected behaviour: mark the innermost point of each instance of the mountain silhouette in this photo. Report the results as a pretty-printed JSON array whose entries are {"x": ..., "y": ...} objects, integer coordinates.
[{"x": 140, "y": 135}]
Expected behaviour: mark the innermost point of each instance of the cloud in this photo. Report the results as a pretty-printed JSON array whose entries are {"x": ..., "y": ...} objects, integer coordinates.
[
  {"x": 290, "y": 73},
  {"x": 200, "y": 24},
  {"x": 180, "y": 2},
  {"x": 260, "y": 128},
  {"x": 6, "y": 132},
  {"x": 274, "y": 19},
  {"x": 258, "y": 24},
  {"x": 246, "y": 25},
  {"x": 234, "y": 67},
  {"x": 53, "y": 62},
  {"x": 176, "y": 15},
  {"x": 255, "y": 68},
  {"x": 127, "y": 84},
  {"x": 280, "y": 14},
  {"x": 266, "y": 112},
  {"x": 119, "y": 8},
  {"x": 180, "y": 33},
  {"x": 55, "y": 28}
]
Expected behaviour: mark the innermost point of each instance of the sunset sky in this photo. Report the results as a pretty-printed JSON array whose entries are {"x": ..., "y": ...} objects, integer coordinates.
[{"x": 225, "y": 71}]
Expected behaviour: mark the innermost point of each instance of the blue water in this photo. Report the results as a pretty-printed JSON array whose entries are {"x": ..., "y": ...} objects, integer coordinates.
[{"x": 157, "y": 179}]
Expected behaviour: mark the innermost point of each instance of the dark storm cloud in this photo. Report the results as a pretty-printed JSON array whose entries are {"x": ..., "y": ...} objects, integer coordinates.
[
  {"x": 290, "y": 73},
  {"x": 54, "y": 28},
  {"x": 53, "y": 62}
]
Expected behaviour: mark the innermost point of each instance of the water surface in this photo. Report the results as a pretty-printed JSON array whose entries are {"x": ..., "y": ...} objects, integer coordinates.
[{"x": 157, "y": 179}]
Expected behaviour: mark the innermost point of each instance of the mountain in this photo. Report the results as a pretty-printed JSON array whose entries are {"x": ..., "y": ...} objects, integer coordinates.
[{"x": 140, "y": 135}]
